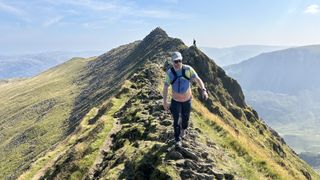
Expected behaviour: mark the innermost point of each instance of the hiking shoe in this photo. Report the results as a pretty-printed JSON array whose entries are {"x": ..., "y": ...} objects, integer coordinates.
[{"x": 178, "y": 144}]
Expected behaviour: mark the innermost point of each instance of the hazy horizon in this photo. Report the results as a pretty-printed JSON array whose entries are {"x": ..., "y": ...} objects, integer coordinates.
[
  {"x": 106, "y": 50},
  {"x": 56, "y": 25}
]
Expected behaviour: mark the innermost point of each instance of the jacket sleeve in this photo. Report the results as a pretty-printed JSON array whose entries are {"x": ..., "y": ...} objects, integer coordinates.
[{"x": 193, "y": 73}]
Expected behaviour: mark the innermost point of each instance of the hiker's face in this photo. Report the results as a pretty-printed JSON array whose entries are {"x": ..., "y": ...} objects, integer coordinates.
[{"x": 177, "y": 64}]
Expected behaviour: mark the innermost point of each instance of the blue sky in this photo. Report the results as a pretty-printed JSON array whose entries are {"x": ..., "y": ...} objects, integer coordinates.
[{"x": 77, "y": 25}]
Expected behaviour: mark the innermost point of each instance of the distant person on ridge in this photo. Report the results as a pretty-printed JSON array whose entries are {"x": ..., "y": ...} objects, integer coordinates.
[
  {"x": 179, "y": 76},
  {"x": 194, "y": 43}
]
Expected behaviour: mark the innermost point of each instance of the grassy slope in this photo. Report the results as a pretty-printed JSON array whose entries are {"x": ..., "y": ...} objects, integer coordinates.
[
  {"x": 239, "y": 147},
  {"x": 33, "y": 114},
  {"x": 84, "y": 144},
  {"x": 38, "y": 112},
  {"x": 249, "y": 150}
]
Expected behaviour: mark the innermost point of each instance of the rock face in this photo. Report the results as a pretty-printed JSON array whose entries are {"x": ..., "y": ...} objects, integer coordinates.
[
  {"x": 210, "y": 72},
  {"x": 122, "y": 132}
]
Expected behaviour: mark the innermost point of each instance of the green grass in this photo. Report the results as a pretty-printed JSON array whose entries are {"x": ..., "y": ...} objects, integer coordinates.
[
  {"x": 34, "y": 114},
  {"x": 249, "y": 159},
  {"x": 90, "y": 148},
  {"x": 108, "y": 121}
]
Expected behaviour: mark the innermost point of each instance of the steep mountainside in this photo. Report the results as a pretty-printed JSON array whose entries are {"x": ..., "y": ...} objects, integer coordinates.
[
  {"x": 286, "y": 71},
  {"x": 284, "y": 87},
  {"x": 37, "y": 113},
  {"x": 117, "y": 127}
]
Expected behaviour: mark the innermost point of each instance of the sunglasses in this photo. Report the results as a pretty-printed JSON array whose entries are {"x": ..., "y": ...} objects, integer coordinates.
[{"x": 177, "y": 61}]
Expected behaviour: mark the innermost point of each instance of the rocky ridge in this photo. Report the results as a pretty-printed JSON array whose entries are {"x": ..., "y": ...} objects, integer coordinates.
[{"x": 124, "y": 132}]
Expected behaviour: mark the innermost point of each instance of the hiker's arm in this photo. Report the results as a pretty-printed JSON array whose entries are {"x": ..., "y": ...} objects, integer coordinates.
[
  {"x": 200, "y": 83},
  {"x": 195, "y": 78},
  {"x": 165, "y": 95},
  {"x": 203, "y": 89}
]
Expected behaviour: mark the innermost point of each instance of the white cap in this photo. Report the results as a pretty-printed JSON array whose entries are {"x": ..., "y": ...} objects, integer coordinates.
[{"x": 176, "y": 56}]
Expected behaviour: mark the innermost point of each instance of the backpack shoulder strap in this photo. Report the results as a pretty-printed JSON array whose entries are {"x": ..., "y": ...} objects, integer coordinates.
[
  {"x": 184, "y": 73},
  {"x": 175, "y": 76}
]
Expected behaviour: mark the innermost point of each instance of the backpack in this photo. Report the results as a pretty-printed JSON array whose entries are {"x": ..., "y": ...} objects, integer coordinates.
[{"x": 176, "y": 76}]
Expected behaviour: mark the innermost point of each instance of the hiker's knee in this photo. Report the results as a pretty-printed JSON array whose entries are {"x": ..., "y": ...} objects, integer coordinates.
[
  {"x": 186, "y": 114},
  {"x": 176, "y": 122}
]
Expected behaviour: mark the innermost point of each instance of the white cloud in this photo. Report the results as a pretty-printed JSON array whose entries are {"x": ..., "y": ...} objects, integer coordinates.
[
  {"x": 52, "y": 21},
  {"x": 312, "y": 9},
  {"x": 90, "y": 4},
  {"x": 94, "y": 5},
  {"x": 10, "y": 9},
  {"x": 123, "y": 9}
]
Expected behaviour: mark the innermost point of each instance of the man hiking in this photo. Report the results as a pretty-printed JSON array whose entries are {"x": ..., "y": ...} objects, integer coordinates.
[{"x": 180, "y": 76}]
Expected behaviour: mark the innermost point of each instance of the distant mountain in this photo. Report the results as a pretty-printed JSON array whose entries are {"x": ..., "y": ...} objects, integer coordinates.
[
  {"x": 236, "y": 54},
  {"x": 287, "y": 71},
  {"x": 312, "y": 158},
  {"x": 27, "y": 65},
  {"x": 102, "y": 118},
  {"x": 284, "y": 87}
]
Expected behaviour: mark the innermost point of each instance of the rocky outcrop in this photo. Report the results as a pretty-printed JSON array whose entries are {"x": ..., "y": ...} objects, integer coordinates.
[{"x": 147, "y": 134}]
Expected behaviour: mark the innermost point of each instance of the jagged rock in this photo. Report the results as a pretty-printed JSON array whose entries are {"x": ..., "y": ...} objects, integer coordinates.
[
  {"x": 260, "y": 131},
  {"x": 123, "y": 91},
  {"x": 190, "y": 174},
  {"x": 166, "y": 123},
  {"x": 190, "y": 165},
  {"x": 187, "y": 154},
  {"x": 281, "y": 163},
  {"x": 209, "y": 161},
  {"x": 219, "y": 175},
  {"x": 135, "y": 144},
  {"x": 228, "y": 176},
  {"x": 215, "y": 109},
  {"x": 278, "y": 149},
  {"x": 198, "y": 130},
  {"x": 236, "y": 112},
  {"x": 306, "y": 174},
  {"x": 154, "y": 95},
  {"x": 104, "y": 153},
  {"x": 204, "y": 155},
  {"x": 274, "y": 133},
  {"x": 249, "y": 115},
  {"x": 174, "y": 155},
  {"x": 133, "y": 86},
  {"x": 192, "y": 135},
  {"x": 157, "y": 113},
  {"x": 210, "y": 144}
]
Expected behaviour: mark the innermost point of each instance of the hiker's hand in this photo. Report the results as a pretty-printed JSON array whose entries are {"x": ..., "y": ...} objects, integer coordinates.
[
  {"x": 165, "y": 106},
  {"x": 204, "y": 95}
]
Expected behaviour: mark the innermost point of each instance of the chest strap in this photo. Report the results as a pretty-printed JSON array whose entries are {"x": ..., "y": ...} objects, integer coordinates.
[{"x": 176, "y": 76}]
